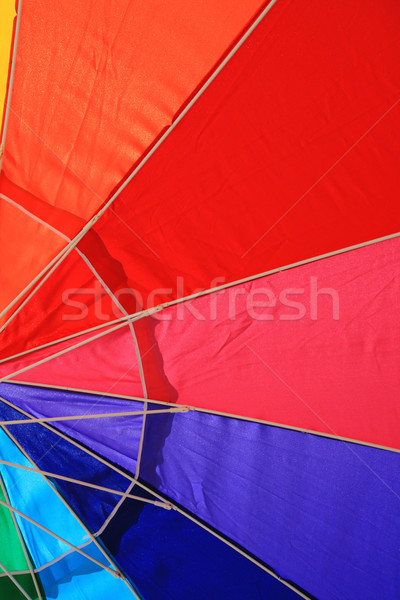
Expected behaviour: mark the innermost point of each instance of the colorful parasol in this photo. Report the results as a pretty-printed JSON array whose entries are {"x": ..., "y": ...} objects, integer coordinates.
[{"x": 199, "y": 363}]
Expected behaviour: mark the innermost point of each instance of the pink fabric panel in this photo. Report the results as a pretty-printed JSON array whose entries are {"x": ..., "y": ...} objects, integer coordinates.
[
  {"x": 335, "y": 370},
  {"x": 108, "y": 365}
]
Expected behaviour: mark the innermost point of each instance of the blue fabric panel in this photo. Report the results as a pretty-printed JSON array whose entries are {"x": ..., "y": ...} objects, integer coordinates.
[
  {"x": 116, "y": 438},
  {"x": 165, "y": 555},
  {"x": 171, "y": 558},
  {"x": 323, "y": 513}
]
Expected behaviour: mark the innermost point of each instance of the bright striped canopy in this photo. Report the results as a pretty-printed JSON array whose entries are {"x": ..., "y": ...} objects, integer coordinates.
[{"x": 199, "y": 299}]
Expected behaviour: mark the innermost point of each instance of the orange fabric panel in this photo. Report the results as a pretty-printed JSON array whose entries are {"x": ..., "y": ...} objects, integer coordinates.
[
  {"x": 96, "y": 83},
  {"x": 64, "y": 221},
  {"x": 25, "y": 249}
]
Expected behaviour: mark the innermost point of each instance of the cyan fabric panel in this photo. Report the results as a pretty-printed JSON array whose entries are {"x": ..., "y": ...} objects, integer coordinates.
[
  {"x": 323, "y": 513},
  {"x": 74, "y": 577},
  {"x": 32, "y": 495}
]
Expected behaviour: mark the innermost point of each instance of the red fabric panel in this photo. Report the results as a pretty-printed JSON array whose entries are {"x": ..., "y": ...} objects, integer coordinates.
[
  {"x": 292, "y": 146},
  {"x": 329, "y": 363},
  {"x": 294, "y": 134},
  {"x": 96, "y": 83}
]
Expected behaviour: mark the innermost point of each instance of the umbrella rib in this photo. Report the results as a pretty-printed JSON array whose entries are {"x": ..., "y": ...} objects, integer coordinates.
[
  {"x": 46, "y": 474},
  {"x": 150, "y": 311},
  {"x": 144, "y": 390},
  {"x": 189, "y": 408},
  {"x": 126, "y": 321},
  {"x": 112, "y": 325},
  {"x": 64, "y": 253},
  {"x": 60, "y": 557},
  {"x": 231, "y": 544},
  {"x": 123, "y": 310},
  {"x": 64, "y": 351},
  {"x": 118, "y": 506},
  {"x": 141, "y": 442},
  {"x": 15, "y": 582},
  {"x": 45, "y": 566},
  {"x": 10, "y": 83},
  {"x": 138, "y": 461},
  {"x": 173, "y": 409},
  {"x": 26, "y": 572},
  {"x": 50, "y": 563},
  {"x": 45, "y": 273},
  {"x": 27, "y": 557},
  {"x": 34, "y": 217}
]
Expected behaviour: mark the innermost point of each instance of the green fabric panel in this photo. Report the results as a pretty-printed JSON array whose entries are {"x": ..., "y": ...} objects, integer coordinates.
[
  {"x": 13, "y": 558},
  {"x": 11, "y": 552},
  {"x": 9, "y": 591}
]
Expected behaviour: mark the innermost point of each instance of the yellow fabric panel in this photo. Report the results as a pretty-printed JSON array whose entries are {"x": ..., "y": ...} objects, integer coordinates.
[{"x": 7, "y": 14}]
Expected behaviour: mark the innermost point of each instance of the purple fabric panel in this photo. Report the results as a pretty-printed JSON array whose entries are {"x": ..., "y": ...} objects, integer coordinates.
[{"x": 322, "y": 513}]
